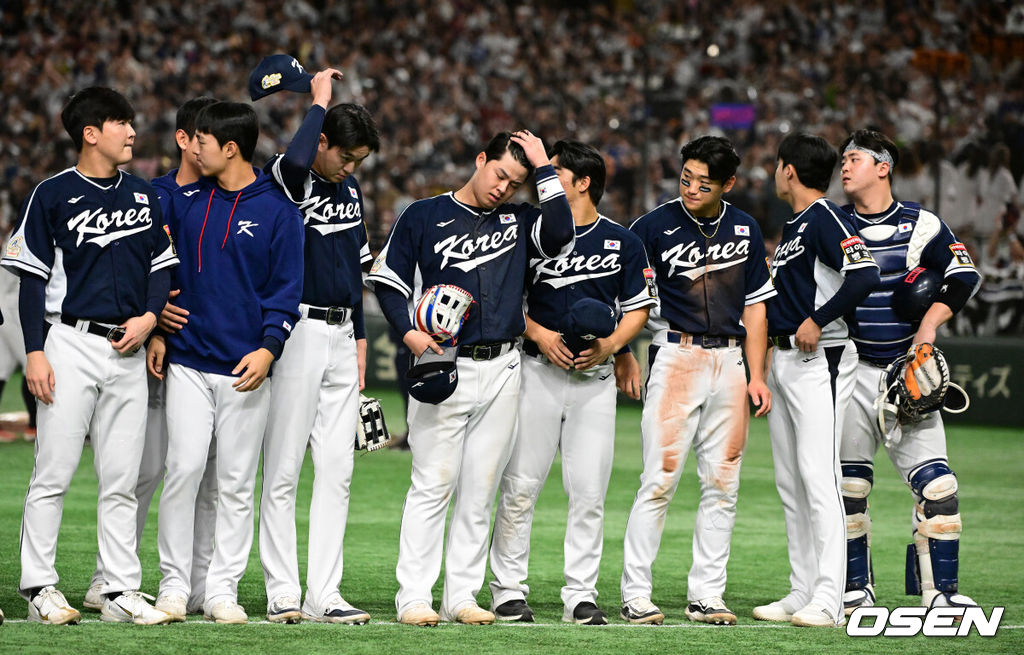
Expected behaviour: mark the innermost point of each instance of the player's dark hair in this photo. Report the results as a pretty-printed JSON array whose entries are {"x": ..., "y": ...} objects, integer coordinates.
[
  {"x": 584, "y": 161},
  {"x": 812, "y": 157},
  {"x": 715, "y": 151},
  {"x": 874, "y": 140},
  {"x": 186, "y": 117},
  {"x": 501, "y": 143},
  {"x": 349, "y": 125},
  {"x": 231, "y": 121},
  {"x": 94, "y": 106}
]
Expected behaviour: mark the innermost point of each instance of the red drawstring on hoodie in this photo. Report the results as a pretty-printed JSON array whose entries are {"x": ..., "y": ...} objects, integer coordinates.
[{"x": 226, "y": 229}]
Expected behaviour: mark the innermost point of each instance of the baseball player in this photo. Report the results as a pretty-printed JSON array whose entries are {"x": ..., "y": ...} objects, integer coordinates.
[
  {"x": 902, "y": 236},
  {"x": 155, "y": 451},
  {"x": 12, "y": 342},
  {"x": 240, "y": 281},
  {"x": 821, "y": 271},
  {"x": 315, "y": 398},
  {"x": 474, "y": 239},
  {"x": 709, "y": 262},
  {"x": 93, "y": 257},
  {"x": 570, "y": 400}
]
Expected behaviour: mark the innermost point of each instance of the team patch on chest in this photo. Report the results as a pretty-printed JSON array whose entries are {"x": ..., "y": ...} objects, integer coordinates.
[
  {"x": 689, "y": 260},
  {"x": 99, "y": 227},
  {"x": 468, "y": 251},
  {"x": 558, "y": 273}
]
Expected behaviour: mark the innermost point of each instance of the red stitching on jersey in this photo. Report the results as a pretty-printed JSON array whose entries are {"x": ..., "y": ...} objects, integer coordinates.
[
  {"x": 203, "y": 229},
  {"x": 228, "y": 228}
]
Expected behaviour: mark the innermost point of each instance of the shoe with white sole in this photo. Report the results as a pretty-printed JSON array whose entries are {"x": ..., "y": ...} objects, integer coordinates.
[
  {"x": 284, "y": 609},
  {"x": 815, "y": 615},
  {"x": 173, "y": 605},
  {"x": 514, "y": 610},
  {"x": 336, "y": 611},
  {"x": 585, "y": 613},
  {"x": 419, "y": 614},
  {"x": 133, "y": 607},
  {"x": 50, "y": 607},
  {"x": 641, "y": 610},
  {"x": 948, "y": 599},
  {"x": 780, "y": 611},
  {"x": 93, "y": 597},
  {"x": 470, "y": 614},
  {"x": 711, "y": 610},
  {"x": 864, "y": 597},
  {"x": 227, "y": 611}
]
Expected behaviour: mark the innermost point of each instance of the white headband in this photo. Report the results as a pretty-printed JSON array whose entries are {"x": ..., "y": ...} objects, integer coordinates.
[{"x": 883, "y": 156}]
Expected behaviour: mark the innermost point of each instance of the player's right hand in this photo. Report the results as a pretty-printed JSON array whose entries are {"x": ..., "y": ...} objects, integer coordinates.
[
  {"x": 418, "y": 342},
  {"x": 532, "y": 146},
  {"x": 39, "y": 376},
  {"x": 156, "y": 352},
  {"x": 551, "y": 346},
  {"x": 627, "y": 375},
  {"x": 172, "y": 318},
  {"x": 320, "y": 86}
]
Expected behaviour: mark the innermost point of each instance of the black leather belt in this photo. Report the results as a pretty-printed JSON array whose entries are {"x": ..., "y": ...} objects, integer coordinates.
[
  {"x": 484, "y": 351},
  {"x": 332, "y": 315},
  {"x": 110, "y": 332},
  {"x": 702, "y": 340},
  {"x": 785, "y": 342}
]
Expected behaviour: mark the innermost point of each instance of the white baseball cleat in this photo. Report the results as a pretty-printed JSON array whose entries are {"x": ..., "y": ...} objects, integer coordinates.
[
  {"x": 641, "y": 610},
  {"x": 227, "y": 611},
  {"x": 336, "y": 611},
  {"x": 93, "y": 598},
  {"x": 132, "y": 607},
  {"x": 50, "y": 607},
  {"x": 284, "y": 609},
  {"x": 470, "y": 614},
  {"x": 779, "y": 610},
  {"x": 948, "y": 599},
  {"x": 419, "y": 614},
  {"x": 815, "y": 615},
  {"x": 864, "y": 597},
  {"x": 173, "y": 605}
]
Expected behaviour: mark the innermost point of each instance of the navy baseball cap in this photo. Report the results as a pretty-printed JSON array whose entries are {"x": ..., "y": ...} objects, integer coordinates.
[
  {"x": 587, "y": 319},
  {"x": 278, "y": 72},
  {"x": 433, "y": 378}
]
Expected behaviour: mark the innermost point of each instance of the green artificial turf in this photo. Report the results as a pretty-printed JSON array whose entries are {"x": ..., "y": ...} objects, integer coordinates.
[{"x": 985, "y": 459}]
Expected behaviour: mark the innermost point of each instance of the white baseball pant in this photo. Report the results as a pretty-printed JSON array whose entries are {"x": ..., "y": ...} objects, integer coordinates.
[
  {"x": 100, "y": 393},
  {"x": 459, "y": 449},
  {"x": 573, "y": 411},
  {"x": 315, "y": 400},
  {"x": 695, "y": 396},
  {"x": 201, "y": 407},
  {"x": 810, "y": 394}
]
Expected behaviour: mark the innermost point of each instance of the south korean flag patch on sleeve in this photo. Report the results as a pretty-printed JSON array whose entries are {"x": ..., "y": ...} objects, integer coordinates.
[{"x": 855, "y": 250}]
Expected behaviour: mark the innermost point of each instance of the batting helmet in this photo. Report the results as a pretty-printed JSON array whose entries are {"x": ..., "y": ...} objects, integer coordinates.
[
  {"x": 915, "y": 293},
  {"x": 433, "y": 378},
  {"x": 588, "y": 319}
]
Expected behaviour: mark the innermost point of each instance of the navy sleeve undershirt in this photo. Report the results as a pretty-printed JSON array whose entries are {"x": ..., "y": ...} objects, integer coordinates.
[
  {"x": 159, "y": 287},
  {"x": 856, "y": 286},
  {"x": 395, "y": 308},
  {"x": 32, "y": 305},
  {"x": 301, "y": 152}
]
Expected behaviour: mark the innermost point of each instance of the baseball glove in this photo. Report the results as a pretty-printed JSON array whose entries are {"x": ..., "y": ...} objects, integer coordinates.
[
  {"x": 371, "y": 432},
  {"x": 442, "y": 310},
  {"x": 914, "y": 385}
]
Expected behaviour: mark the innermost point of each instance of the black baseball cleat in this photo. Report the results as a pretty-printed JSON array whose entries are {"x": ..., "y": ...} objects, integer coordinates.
[
  {"x": 514, "y": 610},
  {"x": 711, "y": 610},
  {"x": 586, "y": 613}
]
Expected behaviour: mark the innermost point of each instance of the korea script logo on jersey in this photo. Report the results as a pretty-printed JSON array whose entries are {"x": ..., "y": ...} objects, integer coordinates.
[
  {"x": 959, "y": 251},
  {"x": 569, "y": 270},
  {"x": 855, "y": 250},
  {"x": 787, "y": 251},
  {"x": 694, "y": 262},
  {"x": 330, "y": 217},
  {"x": 470, "y": 253},
  {"x": 97, "y": 223}
]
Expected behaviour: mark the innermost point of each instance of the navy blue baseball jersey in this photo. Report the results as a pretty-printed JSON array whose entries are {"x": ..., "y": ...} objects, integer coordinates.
[
  {"x": 818, "y": 247},
  {"x": 336, "y": 243},
  {"x": 707, "y": 272},
  {"x": 902, "y": 238},
  {"x": 607, "y": 263},
  {"x": 95, "y": 244},
  {"x": 440, "y": 240}
]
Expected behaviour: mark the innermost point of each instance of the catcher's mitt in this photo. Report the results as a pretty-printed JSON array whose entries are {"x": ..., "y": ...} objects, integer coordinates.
[
  {"x": 371, "y": 432},
  {"x": 914, "y": 385},
  {"x": 442, "y": 310}
]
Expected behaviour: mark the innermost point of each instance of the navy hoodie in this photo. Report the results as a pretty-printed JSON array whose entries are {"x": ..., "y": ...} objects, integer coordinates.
[{"x": 240, "y": 273}]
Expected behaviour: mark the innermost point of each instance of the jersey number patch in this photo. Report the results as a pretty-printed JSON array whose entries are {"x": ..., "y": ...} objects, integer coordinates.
[{"x": 855, "y": 250}]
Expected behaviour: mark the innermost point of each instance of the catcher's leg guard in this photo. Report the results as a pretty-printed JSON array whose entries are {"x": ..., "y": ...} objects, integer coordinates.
[
  {"x": 856, "y": 485},
  {"x": 937, "y": 534}
]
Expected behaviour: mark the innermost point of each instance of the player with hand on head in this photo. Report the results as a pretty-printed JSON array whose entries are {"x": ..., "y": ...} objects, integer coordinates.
[
  {"x": 569, "y": 396},
  {"x": 315, "y": 399},
  {"x": 94, "y": 259},
  {"x": 151, "y": 473},
  {"x": 903, "y": 237},
  {"x": 241, "y": 281},
  {"x": 709, "y": 263},
  {"x": 477, "y": 240},
  {"x": 821, "y": 271}
]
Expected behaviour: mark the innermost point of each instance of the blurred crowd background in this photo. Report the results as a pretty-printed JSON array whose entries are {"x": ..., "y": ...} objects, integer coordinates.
[{"x": 635, "y": 78}]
